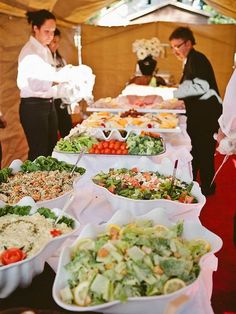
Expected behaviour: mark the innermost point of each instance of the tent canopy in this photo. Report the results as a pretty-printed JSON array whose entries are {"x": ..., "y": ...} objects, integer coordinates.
[
  {"x": 69, "y": 12},
  {"x": 74, "y": 12}
]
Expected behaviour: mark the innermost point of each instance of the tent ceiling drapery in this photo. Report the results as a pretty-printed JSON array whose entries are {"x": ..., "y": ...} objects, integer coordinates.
[
  {"x": 78, "y": 11},
  {"x": 67, "y": 12}
]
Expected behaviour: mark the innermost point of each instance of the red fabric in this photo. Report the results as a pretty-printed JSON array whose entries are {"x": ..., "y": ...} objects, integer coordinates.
[{"x": 218, "y": 216}]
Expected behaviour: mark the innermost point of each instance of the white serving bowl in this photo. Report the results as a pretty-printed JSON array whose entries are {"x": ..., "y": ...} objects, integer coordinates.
[
  {"x": 57, "y": 202},
  {"x": 20, "y": 274},
  {"x": 141, "y": 207},
  {"x": 137, "y": 305}
]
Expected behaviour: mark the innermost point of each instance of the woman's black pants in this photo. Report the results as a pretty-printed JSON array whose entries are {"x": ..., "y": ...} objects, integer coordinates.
[{"x": 39, "y": 120}]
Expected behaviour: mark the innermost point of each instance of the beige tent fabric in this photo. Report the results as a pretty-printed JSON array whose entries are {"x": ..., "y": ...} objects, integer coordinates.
[
  {"x": 68, "y": 12},
  {"x": 14, "y": 32},
  {"x": 78, "y": 11},
  {"x": 225, "y": 7},
  {"x": 108, "y": 50}
]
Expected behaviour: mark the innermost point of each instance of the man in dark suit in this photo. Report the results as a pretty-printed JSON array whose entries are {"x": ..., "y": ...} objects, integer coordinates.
[{"x": 198, "y": 89}]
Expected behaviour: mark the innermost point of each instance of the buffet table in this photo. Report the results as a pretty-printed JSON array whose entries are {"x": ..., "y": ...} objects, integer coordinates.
[{"x": 90, "y": 206}]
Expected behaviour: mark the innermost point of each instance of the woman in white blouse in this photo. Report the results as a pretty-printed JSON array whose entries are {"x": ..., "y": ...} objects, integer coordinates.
[{"x": 38, "y": 86}]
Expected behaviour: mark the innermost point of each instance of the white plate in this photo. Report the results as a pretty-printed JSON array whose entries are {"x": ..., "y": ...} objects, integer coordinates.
[
  {"x": 138, "y": 305},
  {"x": 20, "y": 274}
]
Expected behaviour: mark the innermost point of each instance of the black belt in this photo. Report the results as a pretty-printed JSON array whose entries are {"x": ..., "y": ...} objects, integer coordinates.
[{"x": 37, "y": 99}]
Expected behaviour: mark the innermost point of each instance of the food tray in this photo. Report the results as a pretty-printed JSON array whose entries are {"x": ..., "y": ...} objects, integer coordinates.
[
  {"x": 131, "y": 155},
  {"x": 114, "y": 135},
  {"x": 148, "y": 110},
  {"x": 153, "y": 130}
]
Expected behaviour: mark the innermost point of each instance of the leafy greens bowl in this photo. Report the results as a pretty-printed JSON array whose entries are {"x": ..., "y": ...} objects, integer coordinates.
[
  {"x": 47, "y": 180},
  {"x": 147, "y": 185},
  {"x": 28, "y": 237},
  {"x": 134, "y": 264}
]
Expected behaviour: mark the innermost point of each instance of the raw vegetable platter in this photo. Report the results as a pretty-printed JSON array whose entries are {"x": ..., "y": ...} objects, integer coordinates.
[{"x": 141, "y": 144}]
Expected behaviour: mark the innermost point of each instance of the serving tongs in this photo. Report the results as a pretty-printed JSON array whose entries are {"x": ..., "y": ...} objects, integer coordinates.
[
  {"x": 173, "y": 176},
  {"x": 67, "y": 204},
  {"x": 78, "y": 159}
]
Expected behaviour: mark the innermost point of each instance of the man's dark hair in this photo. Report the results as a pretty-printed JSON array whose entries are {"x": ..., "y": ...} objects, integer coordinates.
[{"x": 183, "y": 33}]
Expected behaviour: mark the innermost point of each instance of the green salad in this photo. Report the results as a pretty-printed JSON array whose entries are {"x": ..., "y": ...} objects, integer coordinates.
[
  {"x": 76, "y": 143},
  {"x": 134, "y": 260},
  {"x": 49, "y": 163},
  {"x": 148, "y": 185}
]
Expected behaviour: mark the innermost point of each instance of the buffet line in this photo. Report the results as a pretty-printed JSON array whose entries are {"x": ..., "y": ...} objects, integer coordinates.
[{"x": 121, "y": 228}]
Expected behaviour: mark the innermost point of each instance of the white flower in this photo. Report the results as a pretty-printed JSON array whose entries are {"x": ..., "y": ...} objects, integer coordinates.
[
  {"x": 145, "y": 47},
  {"x": 142, "y": 53}
]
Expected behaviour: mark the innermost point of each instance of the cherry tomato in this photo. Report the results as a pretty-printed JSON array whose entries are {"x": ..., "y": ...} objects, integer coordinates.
[
  {"x": 55, "y": 232},
  {"x": 117, "y": 145},
  {"x": 119, "y": 151},
  {"x": 12, "y": 255},
  {"x": 105, "y": 144},
  {"x": 91, "y": 151},
  {"x": 97, "y": 151},
  {"x": 123, "y": 146},
  {"x": 107, "y": 151},
  {"x": 111, "y": 145},
  {"x": 100, "y": 145}
]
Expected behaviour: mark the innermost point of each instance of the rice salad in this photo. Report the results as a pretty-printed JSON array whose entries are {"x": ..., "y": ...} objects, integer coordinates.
[
  {"x": 44, "y": 179},
  {"x": 28, "y": 233}
]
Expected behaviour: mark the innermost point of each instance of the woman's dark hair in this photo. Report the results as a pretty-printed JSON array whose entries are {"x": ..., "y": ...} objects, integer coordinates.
[
  {"x": 147, "y": 65},
  {"x": 183, "y": 33},
  {"x": 38, "y": 18},
  {"x": 57, "y": 32}
]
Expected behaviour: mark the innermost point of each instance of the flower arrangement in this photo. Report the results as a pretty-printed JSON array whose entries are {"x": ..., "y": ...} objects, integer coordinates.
[{"x": 145, "y": 47}]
